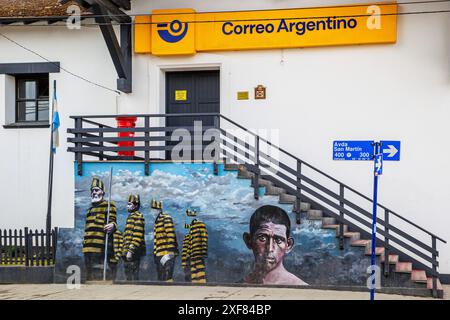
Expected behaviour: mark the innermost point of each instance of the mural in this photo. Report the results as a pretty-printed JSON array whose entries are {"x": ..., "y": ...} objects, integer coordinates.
[{"x": 182, "y": 223}]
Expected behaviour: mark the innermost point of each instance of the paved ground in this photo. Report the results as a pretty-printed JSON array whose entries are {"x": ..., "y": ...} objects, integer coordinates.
[{"x": 146, "y": 292}]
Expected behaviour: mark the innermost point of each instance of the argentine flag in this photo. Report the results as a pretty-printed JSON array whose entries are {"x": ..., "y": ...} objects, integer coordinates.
[{"x": 55, "y": 124}]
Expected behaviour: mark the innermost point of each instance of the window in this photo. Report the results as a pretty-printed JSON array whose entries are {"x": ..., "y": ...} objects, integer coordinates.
[{"x": 32, "y": 98}]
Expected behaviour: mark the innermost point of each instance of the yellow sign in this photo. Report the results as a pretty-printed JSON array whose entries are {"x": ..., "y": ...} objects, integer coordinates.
[
  {"x": 182, "y": 31},
  {"x": 242, "y": 95},
  {"x": 180, "y": 95}
]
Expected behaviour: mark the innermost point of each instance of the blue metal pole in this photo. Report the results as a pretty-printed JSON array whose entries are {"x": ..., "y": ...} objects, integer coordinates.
[
  {"x": 374, "y": 235},
  {"x": 374, "y": 219}
]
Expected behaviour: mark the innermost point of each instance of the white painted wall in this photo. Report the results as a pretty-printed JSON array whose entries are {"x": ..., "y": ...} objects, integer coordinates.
[{"x": 399, "y": 91}]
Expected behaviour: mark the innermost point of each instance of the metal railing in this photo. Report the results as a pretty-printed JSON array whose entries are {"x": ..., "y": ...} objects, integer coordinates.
[
  {"x": 27, "y": 247},
  {"x": 240, "y": 145}
]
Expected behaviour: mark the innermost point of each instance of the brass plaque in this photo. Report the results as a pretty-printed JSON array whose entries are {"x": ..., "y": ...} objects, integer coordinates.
[
  {"x": 260, "y": 92},
  {"x": 180, "y": 95},
  {"x": 242, "y": 95}
]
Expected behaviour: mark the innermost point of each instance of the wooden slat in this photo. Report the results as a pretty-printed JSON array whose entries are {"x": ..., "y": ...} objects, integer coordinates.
[
  {"x": 21, "y": 247},
  {"x": 9, "y": 246},
  {"x": 42, "y": 250},
  {"x": 1, "y": 247},
  {"x": 15, "y": 247}
]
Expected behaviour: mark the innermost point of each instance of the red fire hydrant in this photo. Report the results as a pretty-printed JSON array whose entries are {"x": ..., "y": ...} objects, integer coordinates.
[{"x": 126, "y": 122}]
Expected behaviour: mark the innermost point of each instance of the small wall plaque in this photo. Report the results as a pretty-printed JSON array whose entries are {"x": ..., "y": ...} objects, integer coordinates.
[
  {"x": 242, "y": 95},
  {"x": 260, "y": 92},
  {"x": 180, "y": 95}
]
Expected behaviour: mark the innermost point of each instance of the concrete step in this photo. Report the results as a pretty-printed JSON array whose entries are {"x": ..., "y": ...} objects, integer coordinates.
[
  {"x": 352, "y": 235},
  {"x": 360, "y": 243},
  {"x": 430, "y": 284},
  {"x": 335, "y": 227},
  {"x": 287, "y": 198},
  {"x": 419, "y": 276},
  {"x": 328, "y": 220},
  {"x": 262, "y": 183},
  {"x": 231, "y": 166},
  {"x": 403, "y": 267},
  {"x": 265, "y": 183},
  {"x": 274, "y": 191},
  {"x": 243, "y": 173},
  {"x": 338, "y": 230},
  {"x": 304, "y": 206},
  {"x": 378, "y": 250},
  {"x": 314, "y": 214},
  {"x": 330, "y": 226},
  {"x": 393, "y": 258}
]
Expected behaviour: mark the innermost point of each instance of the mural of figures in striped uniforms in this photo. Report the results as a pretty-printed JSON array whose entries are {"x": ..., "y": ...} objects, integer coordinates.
[
  {"x": 134, "y": 239},
  {"x": 230, "y": 237},
  {"x": 198, "y": 251},
  {"x": 95, "y": 232},
  {"x": 165, "y": 246}
]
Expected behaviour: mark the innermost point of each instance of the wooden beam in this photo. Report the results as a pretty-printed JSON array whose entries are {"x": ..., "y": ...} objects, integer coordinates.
[
  {"x": 115, "y": 13},
  {"x": 120, "y": 53},
  {"x": 125, "y": 4},
  {"x": 125, "y": 84}
]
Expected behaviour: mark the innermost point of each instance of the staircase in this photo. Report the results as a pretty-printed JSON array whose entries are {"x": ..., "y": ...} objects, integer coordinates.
[
  {"x": 410, "y": 250},
  {"x": 412, "y": 278}
]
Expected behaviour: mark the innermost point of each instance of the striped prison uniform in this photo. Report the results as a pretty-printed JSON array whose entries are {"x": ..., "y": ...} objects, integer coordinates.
[
  {"x": 185, "y": 258},
  {"x": 134, "y": 243},
  {"x": 117, "y": 247},
  {"x": 94, "y": 235},
  {"x": 164, "y": 242},
  {"x": 95, "y": 238},
  {"x": 134, "y": 239},
  {"x": 198, "y": 251}
]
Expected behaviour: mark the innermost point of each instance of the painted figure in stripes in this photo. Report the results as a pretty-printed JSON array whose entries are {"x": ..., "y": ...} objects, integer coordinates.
[
  {"x": 198, "y": 250},
  {"x": 96, "y": 230},
  {"x": 134, "y": 239},
  {"x": 165, "y": 246},
  {"x": 185, "y": 254}
]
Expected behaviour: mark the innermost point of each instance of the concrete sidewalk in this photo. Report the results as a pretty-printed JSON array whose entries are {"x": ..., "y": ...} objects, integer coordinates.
[{"x": 151, "y": 292}]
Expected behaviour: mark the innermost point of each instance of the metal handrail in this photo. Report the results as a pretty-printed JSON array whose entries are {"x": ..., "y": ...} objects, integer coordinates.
[{"x": 333, "y": 179}]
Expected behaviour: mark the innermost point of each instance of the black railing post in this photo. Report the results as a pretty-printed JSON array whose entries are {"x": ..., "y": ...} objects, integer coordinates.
[
  {"x": 100, "y": 134},
  {"x": 147, "y": 145},
  {"x": 256, "y": 176},
  {"x": 298, "y": 200},
  {"x": 79, "y": 154},
  {"x": 217, "y": 150},
  {"x": 386, "y": 243},
  {"x": 341, "y": 214},
  {"x": 435, "y": 272},
  {"x": 27, "y": 248}
]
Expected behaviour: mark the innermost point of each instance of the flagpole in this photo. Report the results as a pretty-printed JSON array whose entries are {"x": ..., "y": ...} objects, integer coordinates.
[
  {"x": 107, "y": 222},
  {"x": 48, "y": 224}
]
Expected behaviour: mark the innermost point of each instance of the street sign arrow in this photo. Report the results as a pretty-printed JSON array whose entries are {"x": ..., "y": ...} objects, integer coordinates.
[{"x": 391, "y": 150}]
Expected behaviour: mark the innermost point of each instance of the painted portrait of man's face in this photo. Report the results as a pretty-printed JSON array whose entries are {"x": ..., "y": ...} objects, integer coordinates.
[
  {"x": 96, "y": 195},
  {"x": 269, "y": 239},
  {"x": 131, "y": 207},
  {"x": 269, "y": 245}
]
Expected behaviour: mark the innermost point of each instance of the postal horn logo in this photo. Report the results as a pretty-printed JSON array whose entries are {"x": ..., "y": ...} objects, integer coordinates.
[{"x": 173, "y": 32}]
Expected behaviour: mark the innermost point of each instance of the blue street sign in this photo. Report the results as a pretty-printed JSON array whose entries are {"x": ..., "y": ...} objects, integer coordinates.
[
  {"x": 353, "y": 150},
  {"x": 391, "y": 150},
  {"x": 378, "y": 171}
]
